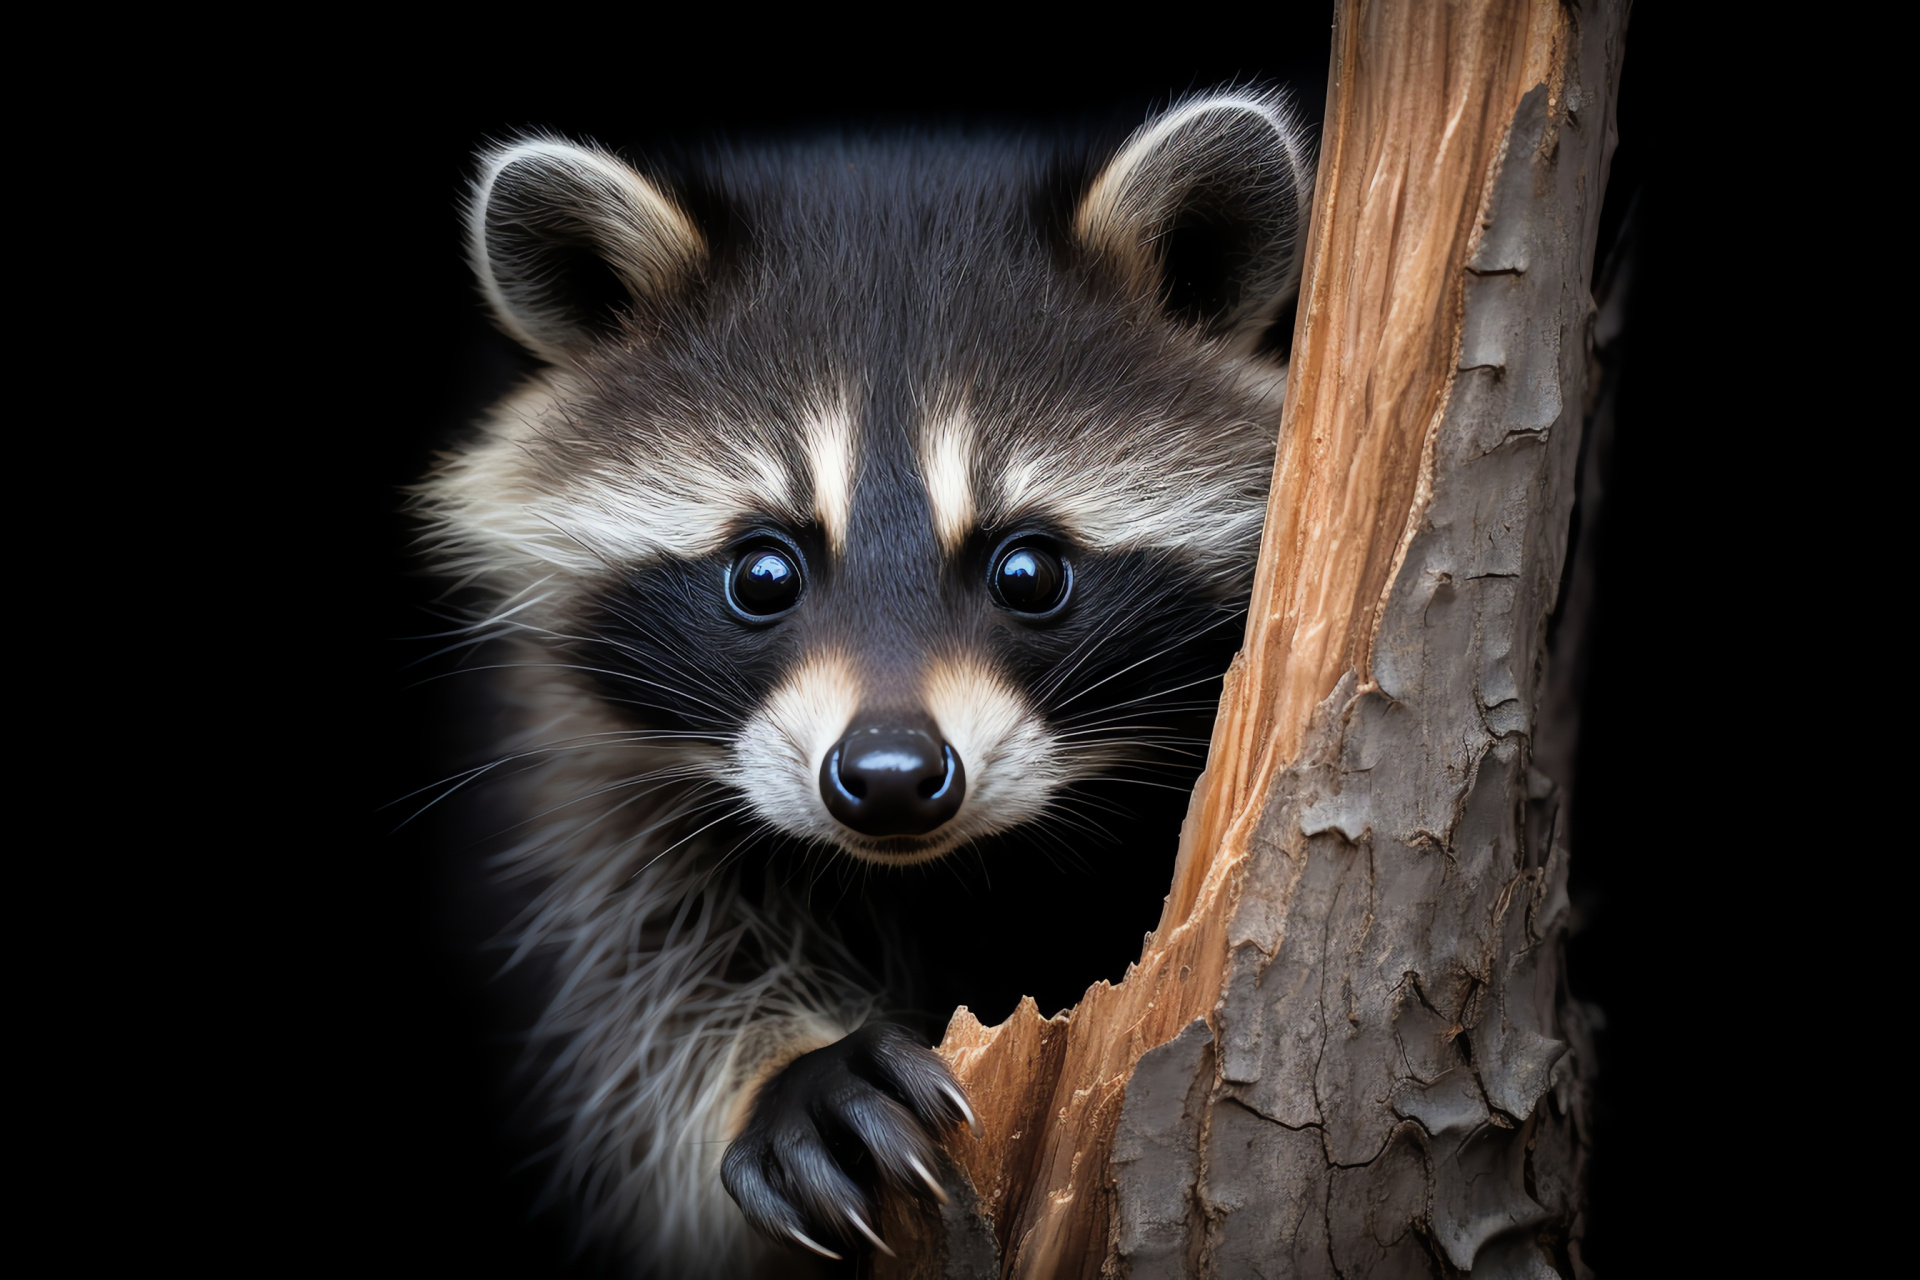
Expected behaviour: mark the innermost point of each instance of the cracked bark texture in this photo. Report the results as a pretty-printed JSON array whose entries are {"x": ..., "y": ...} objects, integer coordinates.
[{"x": 1348, "y": 1049}]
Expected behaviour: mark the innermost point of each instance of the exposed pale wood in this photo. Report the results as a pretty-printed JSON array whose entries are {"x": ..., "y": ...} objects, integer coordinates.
[
  {"x": 1000, "y": 1065},
  {"x": 1418, "y": 105},
  {"x": 1397, "y": 628}
]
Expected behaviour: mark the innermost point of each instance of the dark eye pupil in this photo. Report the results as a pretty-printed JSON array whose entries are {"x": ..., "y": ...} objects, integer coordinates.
[
  {"x": 766, "y": 582},
  {"x": 1028, "y": 579}
]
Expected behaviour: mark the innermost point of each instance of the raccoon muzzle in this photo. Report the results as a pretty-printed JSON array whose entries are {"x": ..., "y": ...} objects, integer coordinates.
[{"x": 893, "y": 776}]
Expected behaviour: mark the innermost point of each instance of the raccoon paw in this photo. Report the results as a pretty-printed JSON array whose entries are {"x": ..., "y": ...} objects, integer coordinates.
[{"x": 833, "y": 1127}]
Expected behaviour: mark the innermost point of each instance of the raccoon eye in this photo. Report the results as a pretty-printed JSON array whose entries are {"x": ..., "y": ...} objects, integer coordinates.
[
  {"x": 765, "y": 582},
  {"x": 1029, "y": 578}
]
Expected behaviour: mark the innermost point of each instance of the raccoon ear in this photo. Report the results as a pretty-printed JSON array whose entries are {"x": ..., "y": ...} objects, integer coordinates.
[
  {"x": 1202, "y": 208},
  {"x": 563, "y": 237}
]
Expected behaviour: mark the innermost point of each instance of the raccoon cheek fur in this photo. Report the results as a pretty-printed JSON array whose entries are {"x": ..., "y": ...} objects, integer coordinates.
[{"x": 880, "y": 502}]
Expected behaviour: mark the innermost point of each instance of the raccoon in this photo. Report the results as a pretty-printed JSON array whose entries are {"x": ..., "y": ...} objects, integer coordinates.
[{"x": 872, "y": 539}]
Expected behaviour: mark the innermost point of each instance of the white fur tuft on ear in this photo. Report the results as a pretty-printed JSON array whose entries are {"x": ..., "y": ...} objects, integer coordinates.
[
  {"x": 553, "y": 229},
  {"x": 1203, "y": 207}
]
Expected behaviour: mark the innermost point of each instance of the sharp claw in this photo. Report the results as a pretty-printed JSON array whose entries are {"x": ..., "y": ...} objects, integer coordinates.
[
  {"x": 960, "y": 1100},
  {"x": 867, "y": 1231},
  {"x": 939, "y": 1192},
  {"x": 814, "y": 1245}
]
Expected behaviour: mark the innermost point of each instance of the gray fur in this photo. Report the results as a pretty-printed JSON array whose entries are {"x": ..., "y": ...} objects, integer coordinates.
[{"x": 984, "y": 360}]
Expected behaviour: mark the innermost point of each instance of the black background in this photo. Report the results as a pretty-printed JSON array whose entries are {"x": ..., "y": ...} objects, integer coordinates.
[{"x": 360, "y": 1075}]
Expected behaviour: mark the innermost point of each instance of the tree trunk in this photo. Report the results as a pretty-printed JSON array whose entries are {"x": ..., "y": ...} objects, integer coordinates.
[{"x": 1348, "y": 1048}]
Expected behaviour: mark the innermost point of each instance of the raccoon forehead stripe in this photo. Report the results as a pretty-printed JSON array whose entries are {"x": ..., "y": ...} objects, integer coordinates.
[
  {"x": 829, "y": 446},
  {"x": 1106, "y": 500},
  {"x": 946, "y": 465},
  {"x": 680, "y": 503},
  {"x": 518, "y": 503}
]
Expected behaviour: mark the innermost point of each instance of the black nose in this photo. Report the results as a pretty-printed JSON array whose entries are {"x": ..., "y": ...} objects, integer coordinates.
[{"x": 893, "y": 777}]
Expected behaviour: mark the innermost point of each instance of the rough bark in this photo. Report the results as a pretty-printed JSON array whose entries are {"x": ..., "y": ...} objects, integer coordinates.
[{"x": 1348, "y": 1047}]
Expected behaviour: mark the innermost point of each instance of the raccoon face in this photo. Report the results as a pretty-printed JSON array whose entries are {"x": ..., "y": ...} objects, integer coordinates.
[{"x": 895, "y": 490}]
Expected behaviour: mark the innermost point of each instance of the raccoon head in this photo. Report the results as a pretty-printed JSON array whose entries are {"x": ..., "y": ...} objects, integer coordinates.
[{"x": 900, "y": 487}]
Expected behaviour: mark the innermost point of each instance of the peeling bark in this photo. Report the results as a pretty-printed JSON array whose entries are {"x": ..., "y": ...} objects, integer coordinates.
[{"x": 1348, "y": 1049}]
